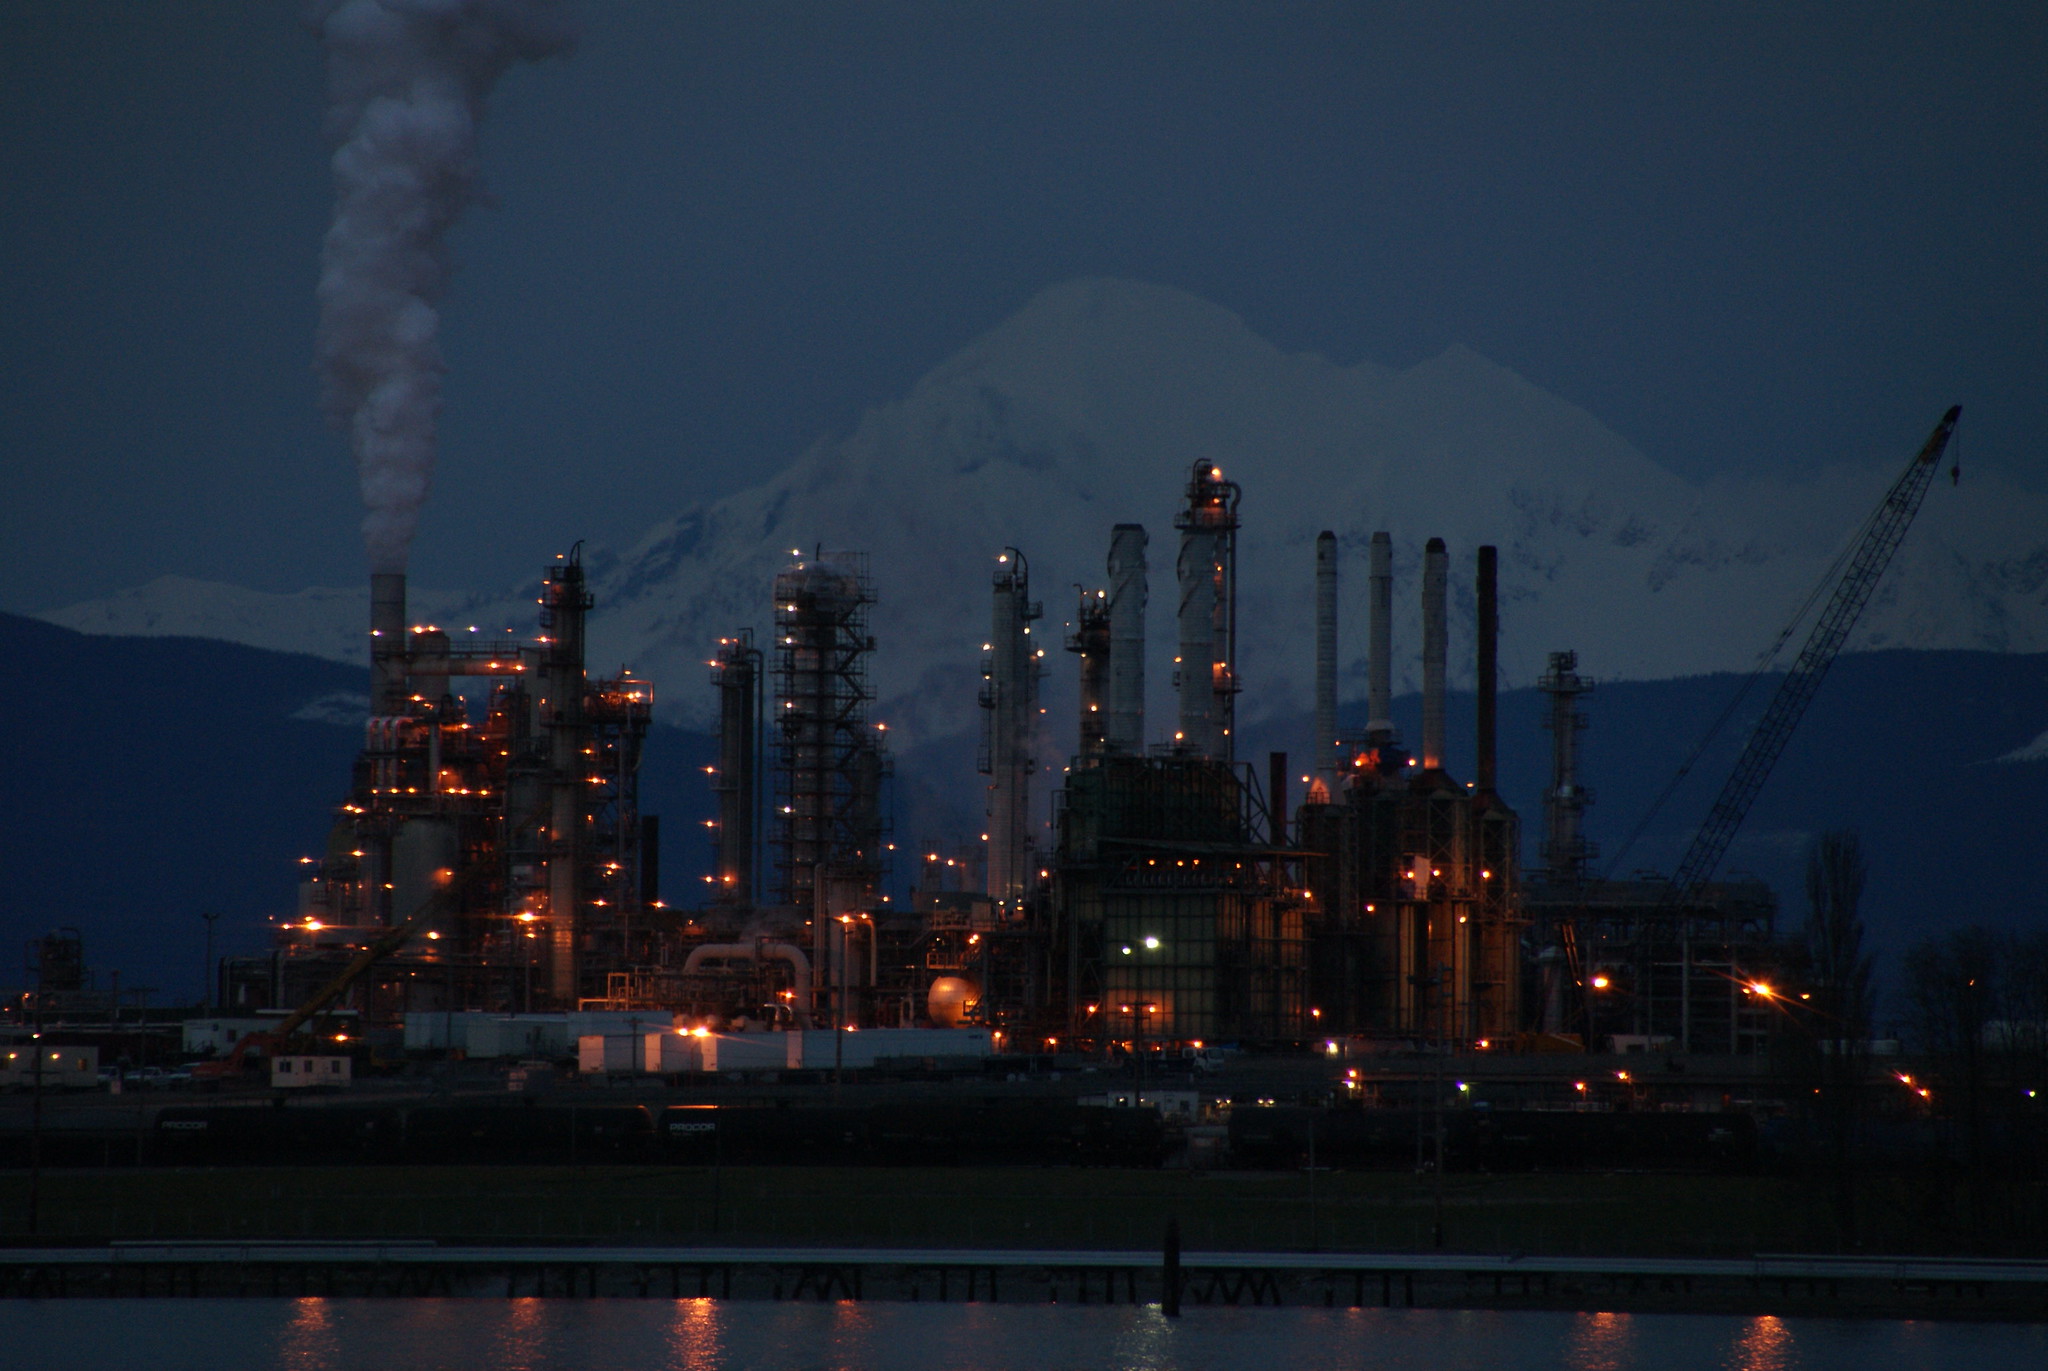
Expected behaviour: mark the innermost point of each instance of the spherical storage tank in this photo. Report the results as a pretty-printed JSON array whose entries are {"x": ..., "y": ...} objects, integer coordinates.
[{"x": 946, "y": 1004}]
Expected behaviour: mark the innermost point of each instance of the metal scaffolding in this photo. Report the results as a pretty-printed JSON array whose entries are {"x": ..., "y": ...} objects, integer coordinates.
[{"x": 829, "y": 827}]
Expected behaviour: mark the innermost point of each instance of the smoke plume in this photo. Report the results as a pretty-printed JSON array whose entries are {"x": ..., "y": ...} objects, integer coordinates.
[{"x": 406, "y": 81}]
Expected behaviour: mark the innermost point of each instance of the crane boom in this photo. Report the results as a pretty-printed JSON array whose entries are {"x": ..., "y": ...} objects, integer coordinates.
[
  {"x": 1879, "y": 539},
  {"x": 393, "y": 938}
]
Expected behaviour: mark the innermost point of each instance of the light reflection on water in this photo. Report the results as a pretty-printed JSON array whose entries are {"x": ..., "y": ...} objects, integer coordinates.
[
  {"x": 554, "y": 1335},
  {"x": 1765, "y": 1345},
  {"x": 308, "y": 1343},
  {"x": 1599, "y": 1342}
]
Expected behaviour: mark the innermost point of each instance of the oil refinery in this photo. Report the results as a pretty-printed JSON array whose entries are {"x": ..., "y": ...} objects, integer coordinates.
[{"x": 490, "y": 857}]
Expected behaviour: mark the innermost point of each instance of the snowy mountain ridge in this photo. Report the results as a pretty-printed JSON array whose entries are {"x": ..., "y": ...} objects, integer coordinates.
[{"x": 1088, "y": 407}]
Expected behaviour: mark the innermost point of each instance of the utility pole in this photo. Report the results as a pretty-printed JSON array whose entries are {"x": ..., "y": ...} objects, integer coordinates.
[
  {"x": 1437, "y": 1226},
  {"x": 1426, "y": 984},
  {"x": 210, "y": 916},
  {"x": 35, "y": 1129}
]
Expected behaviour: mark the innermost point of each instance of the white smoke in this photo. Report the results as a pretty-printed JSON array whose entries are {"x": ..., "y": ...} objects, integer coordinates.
[{"x": 406, "y": 81}]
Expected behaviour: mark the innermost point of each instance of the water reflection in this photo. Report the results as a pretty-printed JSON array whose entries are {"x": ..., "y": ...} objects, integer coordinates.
[
  {"x": 309, "y": 1341},
  {"x": 1145, "y": 1342},
  {"x": 1600, "y": 1342},
  {"x": 570, "y": 1335},
  {"x": 697, "y": 1337},
  {"x": 1764, "y": 1345},
  {"x": 521, "y": 1339}
]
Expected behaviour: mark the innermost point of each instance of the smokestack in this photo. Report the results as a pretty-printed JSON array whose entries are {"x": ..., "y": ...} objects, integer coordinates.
[
  {"x": 405, "y": 92},
  {"x": 1276, "y": 795},
  {"x": 650, "y": 860},
  {"x": 1325, "y": 753},
  {"x": 388, "y": 641},
  {"x": 1435, "y": 646},
  {"x": 1488, "y": 667},
  {"x": 1125, "y": 730},
  {"x": 1379, "y": 725}
]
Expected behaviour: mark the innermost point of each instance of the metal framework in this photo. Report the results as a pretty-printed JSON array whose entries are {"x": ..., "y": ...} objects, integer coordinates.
[{"x": 829, "y": 763}]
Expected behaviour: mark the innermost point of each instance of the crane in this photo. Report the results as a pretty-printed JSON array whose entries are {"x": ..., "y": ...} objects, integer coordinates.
[
  {"x": 1869, "y": 555},
  {"x": 441, "y": 900}
]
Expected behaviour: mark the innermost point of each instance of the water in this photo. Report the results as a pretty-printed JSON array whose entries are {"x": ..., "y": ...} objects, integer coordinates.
[{"x": 556, "y": 1335}]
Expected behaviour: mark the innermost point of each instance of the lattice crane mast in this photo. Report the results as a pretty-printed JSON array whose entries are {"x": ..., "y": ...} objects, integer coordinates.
[{"x": 1871, "y": 554}]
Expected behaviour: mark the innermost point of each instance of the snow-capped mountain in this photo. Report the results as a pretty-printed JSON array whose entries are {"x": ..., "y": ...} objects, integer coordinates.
[{"x": 1088, "y": 407}]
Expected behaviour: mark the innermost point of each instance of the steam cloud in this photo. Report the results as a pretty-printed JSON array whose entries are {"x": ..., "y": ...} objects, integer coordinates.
[{"x": 406, "y": 81}]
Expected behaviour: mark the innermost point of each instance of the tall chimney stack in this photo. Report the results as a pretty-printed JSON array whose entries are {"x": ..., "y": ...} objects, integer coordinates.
[
  {"x": 1125, "y": 729},
  {"x": 1379, "y": 724},
  {"x": 1325, "y": 752},
  {"x": 1435, "y": 582},
  {"x": 1278, "y": 817},
  {"x": 388, "y": 641},
  {"x": 1484, "y": 770}
]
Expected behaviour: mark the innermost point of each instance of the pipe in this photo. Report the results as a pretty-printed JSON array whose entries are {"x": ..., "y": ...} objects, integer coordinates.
[
  {"x": 1125, "y": 728},
  {"x": 388, "y": 641},
  {"x": 1435, "y": 645},
  {"x": 1325, "y": 751},
  {"x": 1484, "y": 767},
  {"x": 799, "y": 964},
  {"x": 1379, "y": 724}
]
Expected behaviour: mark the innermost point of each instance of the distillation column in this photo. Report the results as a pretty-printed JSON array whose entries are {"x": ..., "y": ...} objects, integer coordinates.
[
  {"x": 1010, "y": 696},
  {"x": 1125, "y": 730},
  {"x": 564, "y": 604},
  {"x": 1326, "y": 748},
  {"x": 1485, "y": 769},
  {"x": 1565, "y": 849},
  {"x": 736, "y": 672},
  {"x": 1090, "y": 640},
  {"x": 1207, "y": 572}
]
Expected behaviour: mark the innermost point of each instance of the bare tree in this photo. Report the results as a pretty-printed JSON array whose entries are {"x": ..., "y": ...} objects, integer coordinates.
[
  {"x": 1953, "y": 982},
  {"x": 1840, "y": 971},
  {"x": 1834, "y": 935}
]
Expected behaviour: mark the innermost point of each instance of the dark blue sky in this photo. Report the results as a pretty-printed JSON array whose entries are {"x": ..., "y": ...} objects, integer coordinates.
[{"x": 1748, "y": 237}]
